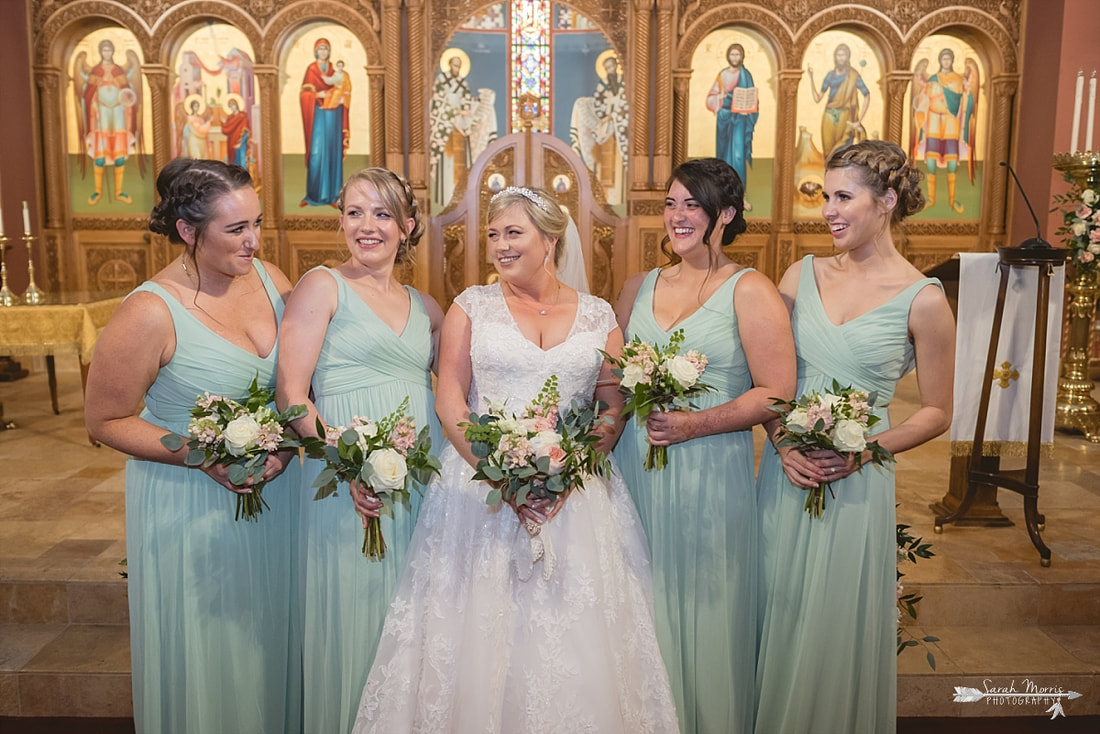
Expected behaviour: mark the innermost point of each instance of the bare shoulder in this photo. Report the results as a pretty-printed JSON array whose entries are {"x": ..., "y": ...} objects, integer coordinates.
[
  {"x": 278, "y": 278},
  {"x": 143, "y": 312},
  {"x": 627, "y": 295},
  {"x": 435, "y": 313}
]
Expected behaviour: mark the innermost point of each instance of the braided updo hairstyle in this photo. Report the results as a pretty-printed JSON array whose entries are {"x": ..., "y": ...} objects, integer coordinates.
[
  {"x": 715, "y": 186},
  {"x": 397, "y": 196},
  {"x": 881, "y": 166},
  {"x": 189, "y": 191}
]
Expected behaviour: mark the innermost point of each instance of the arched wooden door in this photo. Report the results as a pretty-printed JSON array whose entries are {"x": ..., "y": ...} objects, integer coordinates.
[{"x": 458, "y": 240}]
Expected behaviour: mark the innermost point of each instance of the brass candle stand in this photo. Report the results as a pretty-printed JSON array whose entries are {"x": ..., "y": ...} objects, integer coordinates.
[
  {"x": 33, "y": 295},
  {"x": 7, "y": 298},
  {"x": 1076, "y": 410}
]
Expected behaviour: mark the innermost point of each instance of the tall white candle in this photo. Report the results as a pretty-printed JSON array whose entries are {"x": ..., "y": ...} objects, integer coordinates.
[
  {"x": 1077, "y": 110},
  {"x": 1, "y": 222},
  {"x": 1091, "y": 113},
  {"x": 26, "y": 219}
]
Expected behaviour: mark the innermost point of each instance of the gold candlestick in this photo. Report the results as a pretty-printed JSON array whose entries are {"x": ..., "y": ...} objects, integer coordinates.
[
  {"x": 33, "y": 295},
  {"x": 1076, "y": 410},
  {"x": 7, "y": 298}
]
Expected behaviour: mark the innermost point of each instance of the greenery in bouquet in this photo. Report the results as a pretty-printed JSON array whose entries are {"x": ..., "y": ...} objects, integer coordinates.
[
  {"x": 1081, "y": 214},
  {"x": 543, "y": 452},
  {"x": 381, "y": 455},
  {"x": 240, "y": 436},
  {"x": 658, "y": 378},
  {"x": 909, "y": 550},
  {"x": 835, "y": 420}
]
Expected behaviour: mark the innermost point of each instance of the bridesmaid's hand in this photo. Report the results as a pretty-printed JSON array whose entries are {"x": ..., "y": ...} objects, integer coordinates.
[
  {"x": 274, "y": 466},
  {"x": 220, "y": 474},
  {"x": 833, "y": 465},
  {"x": 366, "y": 501},
  {"x": 802, "y": 471},
  {"x": 670, "y": 427}
]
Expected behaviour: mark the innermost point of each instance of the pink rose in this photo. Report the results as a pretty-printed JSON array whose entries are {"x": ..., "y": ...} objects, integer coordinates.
[
  {"x": 1083, "y": 211},
  {"x": 1094, "y": 234},
  {"x": 1086, "y": 256},
  {"x": 557, "y": 459}
]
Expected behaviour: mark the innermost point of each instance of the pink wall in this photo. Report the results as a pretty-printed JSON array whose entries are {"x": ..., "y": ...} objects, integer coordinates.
[
  {"x": 17, "y": 164},
  {"x": 1060, "y": 38}
]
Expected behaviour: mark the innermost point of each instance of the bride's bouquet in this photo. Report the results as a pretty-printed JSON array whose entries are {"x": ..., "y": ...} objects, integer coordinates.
[
  {"x": 541, "y": 452},
  {"x": 836, "y": 420},
  {"x": 239, "y": 436},
  {"x": 382, "y": 455},
  {"x": 658, "y": 378}
]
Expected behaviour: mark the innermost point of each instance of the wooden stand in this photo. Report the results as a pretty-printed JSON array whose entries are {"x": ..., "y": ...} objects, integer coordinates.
[{"x": 1022, "y": 481}]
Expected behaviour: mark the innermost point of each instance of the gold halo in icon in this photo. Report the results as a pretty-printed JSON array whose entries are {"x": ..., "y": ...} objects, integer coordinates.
[{"x": 450, "y": 53}]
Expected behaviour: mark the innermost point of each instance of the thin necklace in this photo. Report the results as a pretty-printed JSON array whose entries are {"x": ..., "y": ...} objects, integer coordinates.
[
  {"x": 186, "y": 272},
  {"x": 545, "y": 310}
]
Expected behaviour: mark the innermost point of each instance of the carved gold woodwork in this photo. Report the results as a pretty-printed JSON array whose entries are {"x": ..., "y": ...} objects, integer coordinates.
[{"x": 674, "y": 28}]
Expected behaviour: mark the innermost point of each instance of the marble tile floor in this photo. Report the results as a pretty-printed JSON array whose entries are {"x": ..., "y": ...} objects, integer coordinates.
[{"x": 999, "y": 616}]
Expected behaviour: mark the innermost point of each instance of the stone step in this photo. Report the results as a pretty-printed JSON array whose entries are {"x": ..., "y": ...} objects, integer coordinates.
[{"x": 1053, "y": 657}]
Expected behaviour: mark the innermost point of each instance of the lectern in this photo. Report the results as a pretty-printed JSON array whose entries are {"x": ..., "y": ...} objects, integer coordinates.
[{"x": 1038, "y": 254}]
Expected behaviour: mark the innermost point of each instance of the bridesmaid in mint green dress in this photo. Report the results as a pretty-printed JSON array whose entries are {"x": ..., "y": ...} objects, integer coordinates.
[
  {"x": 864, "y": 317},
  {"x": 699, "y": 512},
  {"x": 364, "y": 343},
  {"x": 211, "y": 638}
]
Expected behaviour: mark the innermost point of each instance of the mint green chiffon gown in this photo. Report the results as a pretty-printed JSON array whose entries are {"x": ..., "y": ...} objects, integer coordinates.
[
  {"x": 213, "y": 642},
  {"x": 364, "y": 369},
  {"x": 699, "y": 516},
  {"x": 827, "y": 658}
]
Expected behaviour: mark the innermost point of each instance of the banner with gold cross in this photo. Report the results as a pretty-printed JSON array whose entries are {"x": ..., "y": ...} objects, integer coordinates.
[{"x": 1010, "y": 398}]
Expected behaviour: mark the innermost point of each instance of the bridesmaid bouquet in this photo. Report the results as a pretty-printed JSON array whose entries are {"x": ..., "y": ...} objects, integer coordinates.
[
  {"x": 658, "y": 378},
  {"x": 836, "y": 420},
  {"x": 542, "y": 452},
  {"x": 381, "y": 455},
  {"x": 239, "y": 436}
]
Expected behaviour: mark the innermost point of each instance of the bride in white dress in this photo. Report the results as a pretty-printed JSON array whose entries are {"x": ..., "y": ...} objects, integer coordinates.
[{"x": 493, "y": 629}]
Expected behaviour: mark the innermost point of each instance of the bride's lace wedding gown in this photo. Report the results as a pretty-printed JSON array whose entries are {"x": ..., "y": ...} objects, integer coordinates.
[{"x": 484, "y": 636}]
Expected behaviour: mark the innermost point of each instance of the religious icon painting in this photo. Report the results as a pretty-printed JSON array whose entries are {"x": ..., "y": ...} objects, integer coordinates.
[
  {"x": 840, "y": 102},
  {"x": 107, "y": 122},
  {"x": 590, "y": 112},
  {"x": 325, "y": 116},
  {"x": 732, "y": 109},
  {"x": 943, "y": 126},
  {"x": 215, "y": 102}
]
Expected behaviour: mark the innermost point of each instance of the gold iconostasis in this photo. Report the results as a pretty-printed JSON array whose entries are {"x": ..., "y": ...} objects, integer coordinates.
[{"x": 596, "y": 101}]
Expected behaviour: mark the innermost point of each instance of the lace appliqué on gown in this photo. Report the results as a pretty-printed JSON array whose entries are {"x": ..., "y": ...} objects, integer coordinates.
[{"x": 470, "y": 647}]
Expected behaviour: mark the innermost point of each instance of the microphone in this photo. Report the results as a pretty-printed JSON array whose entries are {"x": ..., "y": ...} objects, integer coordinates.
[{"x": 1032, "y": 242}]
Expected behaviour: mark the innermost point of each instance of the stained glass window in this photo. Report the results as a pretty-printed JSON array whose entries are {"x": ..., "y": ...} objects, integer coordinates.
[{"x": 531, "y": 60}]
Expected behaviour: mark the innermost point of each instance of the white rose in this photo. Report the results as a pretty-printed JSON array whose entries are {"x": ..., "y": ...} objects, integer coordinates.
[
  {"x": 798, "y": 418},
  {"x": 1089, "y": 197},
  {"x": 632, "y": 375},
  {"x": 848, "y": 436},
  {"x": 389, "y": 469},
  {"x": 508, "y": 425},
  {"x": 365, "y": 431},
  {"x": 1094, "y": 248},
  {"x": 240, "y": 433},
  {"x": 830, "y": 401},
  {"x": 1079, "y": 228},
  {"x": 683, "y": 371},
  {"x": 543, "y": 440}
]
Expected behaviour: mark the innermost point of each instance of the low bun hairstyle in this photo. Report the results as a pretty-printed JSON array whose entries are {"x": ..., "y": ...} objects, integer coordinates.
[
  {"x": 397, "y": 196},
  {"x": 715, "y": 186},
  {"x": 189, "y": 191},
  {"x": 882, "y": 166},
  {"x": 540, "y": 207}
]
